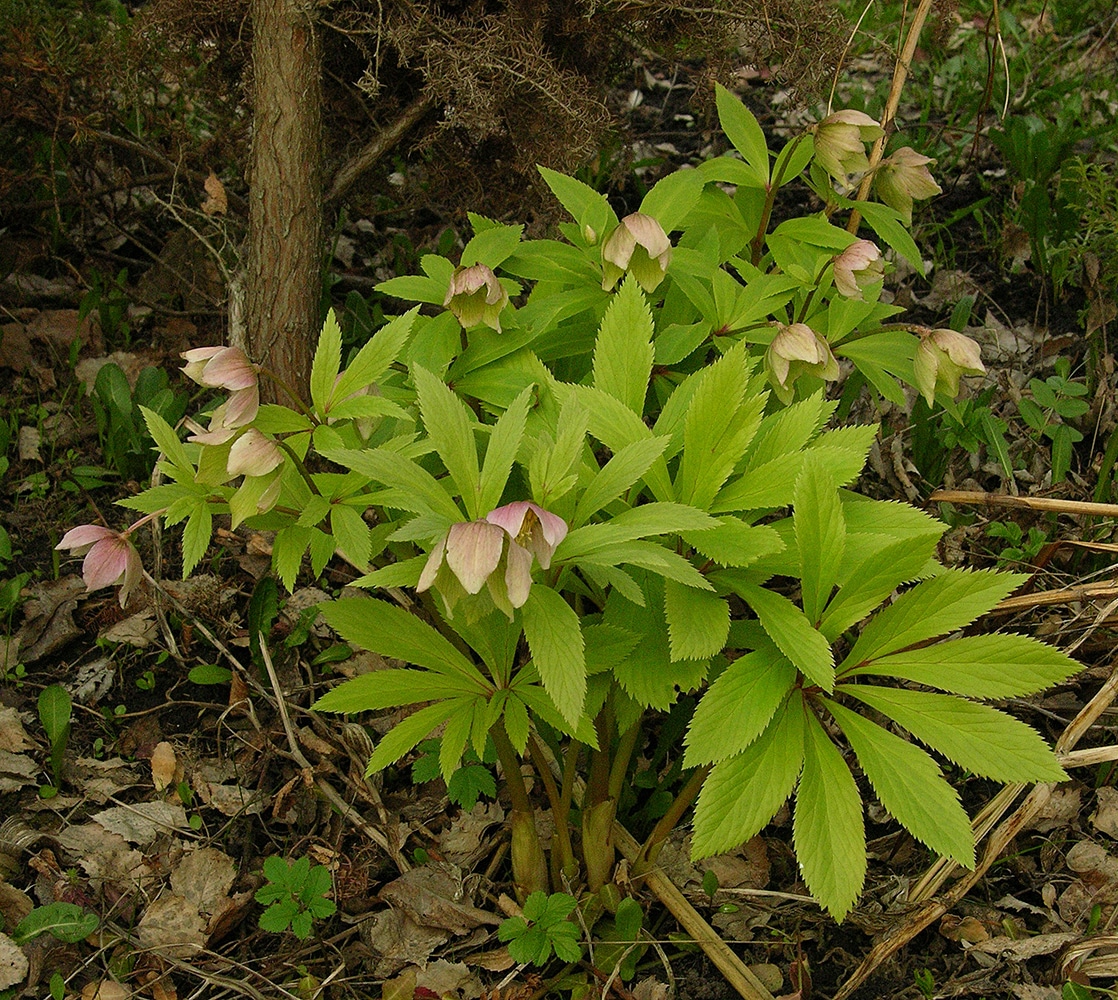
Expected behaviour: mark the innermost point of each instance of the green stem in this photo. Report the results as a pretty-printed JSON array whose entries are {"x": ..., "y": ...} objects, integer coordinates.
[
  {"x": 621, "y": 758},
  {"x": 757, "y": 245},
  {"x": 291, "y": 394},
  {"x": 680, "y": 804},
  {"x": 300, "y": 467},
  {"x": 563, "y": 853},
  {"x": 529, "y": 863},
  {"x": 510, "y": 764}
]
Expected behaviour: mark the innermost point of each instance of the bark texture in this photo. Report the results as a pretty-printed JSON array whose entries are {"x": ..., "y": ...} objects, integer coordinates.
[{"x": 284, "y": 280}]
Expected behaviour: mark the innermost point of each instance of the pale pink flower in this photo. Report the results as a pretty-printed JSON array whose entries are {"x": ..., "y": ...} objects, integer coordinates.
[
  {"x": 475, "y": 296},
  {"x": 472, "y": 550},
  {"x": 253, "y": 454},
  {"x": 797, "y": 350},
  {"x": 857, "y": 267},
  {"x": 219, "y": 367},
  {"x": 532, "y": 531},
  {"x": 638, "y": 245},
  {"x": 903, "y": 177},
  {"x": 110, "y": 557},
  {"x": 840, "y": 143},
  {"x": 941, "y": 359}
]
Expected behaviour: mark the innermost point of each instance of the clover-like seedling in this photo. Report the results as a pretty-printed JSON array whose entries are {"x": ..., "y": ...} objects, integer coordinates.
[
  {"x": 297, "y": 894},
  {"x": 544, "y": 928}
]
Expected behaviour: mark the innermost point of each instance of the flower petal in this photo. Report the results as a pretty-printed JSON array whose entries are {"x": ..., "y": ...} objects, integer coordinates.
[
  {"x": 473, "y": 549},
  {"x": 83, "y": 535},
  {"x": 106, "y": 562},
  {"x": 510, "y": 516},
  {"x": 431, "y": 567},
  {"x": 518, "y": 574}
]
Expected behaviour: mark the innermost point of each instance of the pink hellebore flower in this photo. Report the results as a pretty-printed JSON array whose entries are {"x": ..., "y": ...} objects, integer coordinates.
[
  {"x": 532, "y": 531},
  {"x": 942, "y": 357},
  {"x": 903, "y": 177},
  {"x": 226, "y": 368},
  {"x": 219, "y": 367},
  {"x": 472, "y": 550},
  {"x": 639, "y": 245},
  {"x": 857, "y": 267},
  {"x": 840, "y": 143},
  {"x": 253, "y": 454},
  {"x": 109, "y": 557},
  {"x": 797, "y": 350},
  {"x": 475, "y": 296}
]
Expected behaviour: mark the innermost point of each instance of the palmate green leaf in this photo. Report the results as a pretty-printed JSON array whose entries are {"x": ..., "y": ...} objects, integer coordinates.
[
  {"x": 416, "y": 489},
  {"x": 979, "y": 666},
  {"x": 648, "y": 674},
  {"x": 555, "y": 639},
  {"x": 873, "y": 580},
  {"x": 163, "y": 434},
  {"x": 287, "y": 553},
  {"x": 639, "y": 522},
  {"x": 540, "y": 704},
  {"x": 734, "y": 543},
  {"x": 947, "y": 602},
  {"x": 741, "y": 794},
  {"x": 375, "y": 356},
  {"x": 403, "y": 738},
  {"x": 327, "y": 361},
  {"x": 910, "y": 785},
  {"x": 650, "y": 556},
  {"x": 976, "y": 737},
  {"x": 391, "y": 689},
  {"x": 623, "y": 351},
  {"x": 719, "y": 426},
  {"x": 793, "y": 634},
  {"x": 454, "y": 739},
  {"x": 617, "y": 475},
  {"x": 738, "y": 706},
  {"x": 615, "y": 425},
  {"x": 586, "y": 206},
  {"x": 504, "y": 443},
  {"x": 492, "y": 246},
  {"x": 698, "y": 621},
  {"x": 820, "y": 535},
  {"x": 742, "y": 130},
  {"x": 387, "y": 629},
  {"x": 351, "y": 534},
  {"x": 827, "y": 830},
  {"x": 196, "y": 537},
  {"x": 449, "y": 425}
]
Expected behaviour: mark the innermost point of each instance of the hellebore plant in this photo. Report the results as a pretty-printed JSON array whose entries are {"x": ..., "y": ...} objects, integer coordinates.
[{"x": 624, "y": 491}]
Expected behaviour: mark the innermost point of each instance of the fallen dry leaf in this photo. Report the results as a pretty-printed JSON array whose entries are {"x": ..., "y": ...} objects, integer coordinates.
[
  {"x": 398, "y": 941},
  {"x": 1105, "y": 817},
  {"x": 172, "y": 927},
  {"x": 13, "y": 737},
  {"x": 15, "y": 904},
  {"x": 16, "y": 770},
  {"x": 30, "y": 441},
  {"x": 48, "y": 617},
  {"x": 431, "y": 896},
  {"x": 106, "y": 989},
  {"x": 139, "y": 630},
  {"x": 143, "y": 822},
  {"x": 204, "y": 877},
  {"x": 105, "y": 857},
  {"x": 13, "y": 963},
  {"x": 216, "y": 202}
]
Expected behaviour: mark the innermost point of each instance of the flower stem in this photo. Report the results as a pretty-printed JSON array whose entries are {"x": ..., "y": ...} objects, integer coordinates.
[{"x": 680, "y": 804}]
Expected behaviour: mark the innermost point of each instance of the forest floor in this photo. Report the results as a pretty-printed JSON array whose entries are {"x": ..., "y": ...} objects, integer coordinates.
[{"x": 178, "y": 774}]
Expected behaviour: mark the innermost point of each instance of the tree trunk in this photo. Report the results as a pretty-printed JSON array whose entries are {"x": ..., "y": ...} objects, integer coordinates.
[{"x": 284, "y": 273}]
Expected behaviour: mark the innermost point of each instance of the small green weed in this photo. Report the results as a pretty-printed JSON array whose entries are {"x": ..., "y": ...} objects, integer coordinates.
[
  {"x": 471, "y": 780},
  {"x": 297, "y": 894},
  {"x": 55, "y": 709},
  {"x": 544, "y": 928},
  {"x": 1021, "y": 547}
]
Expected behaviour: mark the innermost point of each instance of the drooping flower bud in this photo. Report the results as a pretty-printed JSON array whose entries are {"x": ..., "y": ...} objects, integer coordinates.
[
  {"x": 902, "y": 177},
  {"x": 858, "y": 266},
  {"x": 638, "y": 245},
  {"x": 798, "y": 350},
  {"x": 110, "y": 558},
  {"x": 471, "y": 551},
  {"x": 253, "y": 454},
  {"x": 840, "y": 143},
  {"x": 226, "y": 368},
  {"x": 941, "y": 359},
  {"x": 475, "y": 296}
]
